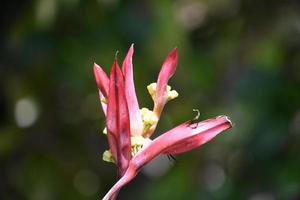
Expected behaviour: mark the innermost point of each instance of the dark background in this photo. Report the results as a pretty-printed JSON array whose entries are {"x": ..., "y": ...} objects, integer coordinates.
[{"x": 236, "y": 57}]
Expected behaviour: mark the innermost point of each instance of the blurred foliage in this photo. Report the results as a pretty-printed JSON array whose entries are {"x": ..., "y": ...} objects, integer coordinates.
[{"x": 236, "y": 57}]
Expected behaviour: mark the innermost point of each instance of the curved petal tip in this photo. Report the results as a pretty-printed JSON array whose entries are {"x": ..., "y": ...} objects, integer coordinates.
[{"x": 227, "y": 119}]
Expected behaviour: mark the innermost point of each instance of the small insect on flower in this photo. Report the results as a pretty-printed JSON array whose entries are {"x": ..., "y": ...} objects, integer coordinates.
[{"x": 129, "y": 128}]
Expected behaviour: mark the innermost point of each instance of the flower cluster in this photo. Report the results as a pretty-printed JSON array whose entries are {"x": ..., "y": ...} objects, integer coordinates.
[{"x": 129, "y": 128}]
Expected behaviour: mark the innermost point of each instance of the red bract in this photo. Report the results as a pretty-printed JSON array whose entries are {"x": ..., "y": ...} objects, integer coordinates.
[
  {"x": 117, "y": 120},
  {"x": 136, "y": 124},
  {"x": 167, "y": 70},
  {"x": 129, "y": 128}
]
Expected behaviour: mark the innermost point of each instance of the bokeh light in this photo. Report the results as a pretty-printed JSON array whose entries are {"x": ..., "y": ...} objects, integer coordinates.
[{"x": 26, "y": 112}]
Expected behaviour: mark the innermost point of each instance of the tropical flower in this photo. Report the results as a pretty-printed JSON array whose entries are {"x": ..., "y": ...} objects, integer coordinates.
[{"x": 129, "y": 128}]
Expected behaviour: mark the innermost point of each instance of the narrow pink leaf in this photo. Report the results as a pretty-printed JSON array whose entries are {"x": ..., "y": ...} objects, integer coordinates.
[
  {"x": 136, "y": 124},
  {"x": 101, "y": 80},
  {"x": 117, "y": 120},
  {"x": 167, "y": 70}
]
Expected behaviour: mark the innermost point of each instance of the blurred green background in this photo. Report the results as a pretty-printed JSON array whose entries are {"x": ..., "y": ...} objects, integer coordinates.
[{"x": 236, "y": 57}]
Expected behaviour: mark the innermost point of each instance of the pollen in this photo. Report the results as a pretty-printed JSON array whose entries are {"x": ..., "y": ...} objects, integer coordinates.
[
  {"x": 107, "y": 156},
  {"x": 148, "y": 118},
  {"x": 152, "y": 89},
  {"x": 137, "y": 143},
  {"x": 171, "y": 94}
]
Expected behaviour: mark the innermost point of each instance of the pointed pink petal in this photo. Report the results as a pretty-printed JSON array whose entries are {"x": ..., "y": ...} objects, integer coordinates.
[
  {"x": 167, "y": 70},
  {"x": 182, "y": 134},
  {"x": 136, "y": 124},
  {"x": 101, "y": 80},
  {"x": 117, "y": 120},
  {"x": 179, "y": 136},
  {"x": 198, "y": 139}
]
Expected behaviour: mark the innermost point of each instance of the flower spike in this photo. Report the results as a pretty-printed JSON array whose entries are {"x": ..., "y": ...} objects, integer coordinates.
[
  {"x": 128, "y": 128},
  {"x": 136, "y": 124}
]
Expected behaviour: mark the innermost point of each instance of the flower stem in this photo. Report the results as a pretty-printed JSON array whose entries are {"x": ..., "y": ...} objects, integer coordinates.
[{"x": 128, "y": 176}]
